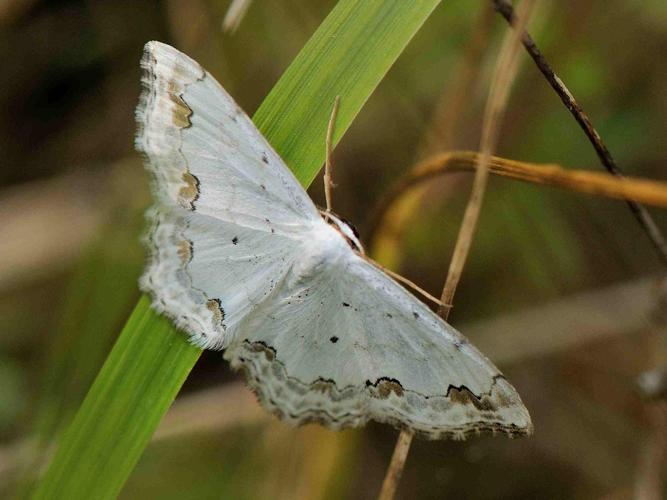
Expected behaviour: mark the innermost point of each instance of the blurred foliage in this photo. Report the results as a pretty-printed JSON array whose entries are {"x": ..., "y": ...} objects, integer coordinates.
[
  {"x": 96, "y": 301},
  {"x": 68, "y": 89}
]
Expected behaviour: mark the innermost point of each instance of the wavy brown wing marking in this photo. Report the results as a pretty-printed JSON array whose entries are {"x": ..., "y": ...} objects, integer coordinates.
[
  {"x": 323, "y": 401},
  {"x": 215, "y": 178},
  {"x": 162, "y": 114}
]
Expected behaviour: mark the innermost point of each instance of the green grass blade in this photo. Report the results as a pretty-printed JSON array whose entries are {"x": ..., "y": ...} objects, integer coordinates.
[
  {"x": 102, "y": 290},
  {"x": 348, "y": 56},
  {"x": 123, "y": 407}
]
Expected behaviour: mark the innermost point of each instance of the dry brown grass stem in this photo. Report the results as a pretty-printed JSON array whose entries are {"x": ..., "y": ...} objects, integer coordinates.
[
  {"x": 396, "y": 466},
  {"x": 646, "y": 191},
  {"x": 405, "y": 281},
  {"x": 328, "y": 164},
  {"x": 235, "y": 14},
  {"x": 501, "y": 83},
  {"x": 504, "y": 74},
  {"x": 451, "y": 113},
  {"x": 504, "y": 7},
  {"x": 649, "y": 480}
]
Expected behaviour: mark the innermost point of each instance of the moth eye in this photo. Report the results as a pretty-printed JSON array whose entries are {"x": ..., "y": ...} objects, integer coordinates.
[{"x": 352, "y": 244}]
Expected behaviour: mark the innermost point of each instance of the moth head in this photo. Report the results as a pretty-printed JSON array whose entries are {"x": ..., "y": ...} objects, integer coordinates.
[{"x": 347, "y": 230}]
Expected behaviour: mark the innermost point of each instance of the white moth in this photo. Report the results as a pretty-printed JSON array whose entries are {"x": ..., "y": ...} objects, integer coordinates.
[{"x": 241, "y": 259}]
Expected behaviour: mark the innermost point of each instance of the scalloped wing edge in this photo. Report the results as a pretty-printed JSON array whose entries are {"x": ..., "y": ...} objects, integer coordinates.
[{"x": 383, "y": 400}]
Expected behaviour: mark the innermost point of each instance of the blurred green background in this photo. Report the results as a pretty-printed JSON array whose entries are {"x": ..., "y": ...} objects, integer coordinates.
[{"x": 561, "y": 290}]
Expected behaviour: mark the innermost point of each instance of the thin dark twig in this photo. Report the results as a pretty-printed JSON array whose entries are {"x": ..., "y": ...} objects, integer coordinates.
[{"x": 504, "y": 8}]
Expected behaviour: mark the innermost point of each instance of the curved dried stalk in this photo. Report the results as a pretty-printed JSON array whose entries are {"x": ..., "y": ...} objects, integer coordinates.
[
  {"x": 446, "y": 122},
  {"x": 454, "y": 104},
  {"x": 504, "y": 7},
  {"x": 504, "y": 74},
  {"x": 646, "y": 191}
]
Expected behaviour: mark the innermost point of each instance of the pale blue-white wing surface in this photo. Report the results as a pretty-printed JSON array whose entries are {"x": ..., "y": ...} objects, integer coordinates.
[
  {"x": 207, "y": 274},
  {"x": 347, "y": 344},
  {"x": 229, "y": 214},
  {"x": 240, "y": 258},
  {"x": 204, "y": 151}
]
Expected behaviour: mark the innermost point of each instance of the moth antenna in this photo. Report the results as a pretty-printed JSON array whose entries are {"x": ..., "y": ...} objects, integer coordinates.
[
  {"x": 328, "y": 182},
  {"x": 406, "y": 281}
]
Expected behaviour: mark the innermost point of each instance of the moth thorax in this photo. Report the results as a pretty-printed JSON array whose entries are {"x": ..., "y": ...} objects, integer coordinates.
[{"x": 324, "y": 248}]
